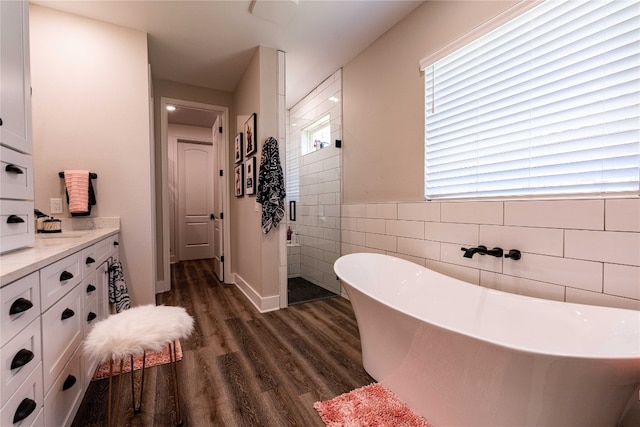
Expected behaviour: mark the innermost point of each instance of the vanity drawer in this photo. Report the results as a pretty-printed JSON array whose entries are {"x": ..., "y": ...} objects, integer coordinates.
[
  {"x": 29, "y": 391},
  {"x": 89, "y": 260},
  {"x": 89, "y": 289},
  {"x": 63, "y": 400},
  {"x": 19, "y": 357},
  {"x": 90, "y": 316},
  {"x": 16, "y": 175},
  {"x": 16, "y": 224},
  {"x": 59, "y": 278},
  {"x": 22, "y": 297},
  {"x": 105, "y": 248},
  {"x": 61, "y": 334}
]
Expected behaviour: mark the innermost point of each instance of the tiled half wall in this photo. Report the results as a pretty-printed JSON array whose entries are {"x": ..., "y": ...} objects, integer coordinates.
[{"x": 583, "y": 251}]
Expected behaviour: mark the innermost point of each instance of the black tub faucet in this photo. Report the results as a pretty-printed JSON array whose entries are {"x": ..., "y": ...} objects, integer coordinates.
[{"x": 482, "y": 250}]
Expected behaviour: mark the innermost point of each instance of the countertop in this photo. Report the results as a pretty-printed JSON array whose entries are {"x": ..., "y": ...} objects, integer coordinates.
[{"x": 49, "y": 248}]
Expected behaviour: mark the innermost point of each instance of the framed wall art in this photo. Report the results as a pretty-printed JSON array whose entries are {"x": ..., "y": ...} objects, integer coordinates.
[
  {"x": 239, "y": 180},
  {"x": 251, "y": 141},
  {"x": 250, "y": 175},
  {"x": 238, "y": 148}
]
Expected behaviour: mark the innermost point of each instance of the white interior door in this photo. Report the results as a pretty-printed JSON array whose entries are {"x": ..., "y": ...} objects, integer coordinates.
[
  {"x": 219, "y": 182},
  {"x": 195, "y": 200}
]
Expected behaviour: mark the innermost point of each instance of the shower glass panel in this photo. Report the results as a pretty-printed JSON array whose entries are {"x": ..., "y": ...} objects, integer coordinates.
[{"x": 313, "y": 176}]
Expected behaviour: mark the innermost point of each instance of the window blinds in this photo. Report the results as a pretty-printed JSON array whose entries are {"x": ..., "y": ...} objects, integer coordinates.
[{"x": 545, "y": 104}]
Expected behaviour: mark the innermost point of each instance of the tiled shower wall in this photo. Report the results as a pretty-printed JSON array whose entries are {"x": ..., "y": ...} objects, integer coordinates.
[
  {"x": 584, "y": 251},
  {"x": 319, "y": 186}
]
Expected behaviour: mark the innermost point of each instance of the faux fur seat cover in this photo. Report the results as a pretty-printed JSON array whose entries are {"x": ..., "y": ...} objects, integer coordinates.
[{"x": 143, "y": 328}]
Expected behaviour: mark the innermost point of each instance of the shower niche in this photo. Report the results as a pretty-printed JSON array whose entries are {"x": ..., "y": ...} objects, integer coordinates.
[{"x": 313, "y": 177}]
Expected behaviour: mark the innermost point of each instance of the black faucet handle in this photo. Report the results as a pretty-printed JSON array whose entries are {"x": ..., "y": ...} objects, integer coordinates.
[
  {"x": 514, "y": 254},
  {"x": 496, "y": 252},
  {"x": 477, "y": 247}
]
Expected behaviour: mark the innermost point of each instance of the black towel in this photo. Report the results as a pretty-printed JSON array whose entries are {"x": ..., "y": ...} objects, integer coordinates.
[
  {"x": 118, "y": 292},
  {"x": 271, "y": 191}
]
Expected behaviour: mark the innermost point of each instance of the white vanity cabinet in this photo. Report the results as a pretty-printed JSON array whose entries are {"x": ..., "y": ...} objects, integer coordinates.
[
  {"x": 44, "y": 317},
  {"x": 16, "y": 175},
  {"x": 21, "y": 352}
]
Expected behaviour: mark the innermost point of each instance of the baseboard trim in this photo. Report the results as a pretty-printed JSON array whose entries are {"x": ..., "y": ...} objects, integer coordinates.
[{"x": 262, "y": 304}]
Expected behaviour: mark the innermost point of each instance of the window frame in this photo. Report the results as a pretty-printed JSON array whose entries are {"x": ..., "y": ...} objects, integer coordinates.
[
  {"x": 501, "y": 19},
  {"x": 306, "y": 132}
]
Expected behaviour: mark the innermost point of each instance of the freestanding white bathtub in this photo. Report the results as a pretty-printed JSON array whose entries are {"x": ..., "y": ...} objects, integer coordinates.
[{"x": 464, "y": 355}]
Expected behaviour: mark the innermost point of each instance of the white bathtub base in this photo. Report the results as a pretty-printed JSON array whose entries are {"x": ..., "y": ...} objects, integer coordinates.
[{"x": 453, "y": 379}]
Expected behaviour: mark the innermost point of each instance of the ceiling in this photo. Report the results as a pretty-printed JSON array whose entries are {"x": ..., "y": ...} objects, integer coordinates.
[
  {"x": 192, "y": 117},
  {"x": 210, "y": 43}
]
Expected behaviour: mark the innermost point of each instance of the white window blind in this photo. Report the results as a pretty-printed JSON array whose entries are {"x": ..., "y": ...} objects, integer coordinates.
[{"x": 546, "y": 104}]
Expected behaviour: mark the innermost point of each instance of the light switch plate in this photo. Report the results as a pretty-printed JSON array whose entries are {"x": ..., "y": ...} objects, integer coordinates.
[{"x": 56, "y": 205}]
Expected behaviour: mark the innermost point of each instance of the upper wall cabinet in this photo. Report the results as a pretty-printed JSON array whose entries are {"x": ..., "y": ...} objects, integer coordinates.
[
  {"x": 15, "y": 86},
  {"x": 16, "y": 175}
]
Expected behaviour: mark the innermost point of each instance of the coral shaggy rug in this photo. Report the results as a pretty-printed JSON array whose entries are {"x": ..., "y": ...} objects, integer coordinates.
[
  {"x": 368, "y": 406},
  {"x": 154, "y": 358}
]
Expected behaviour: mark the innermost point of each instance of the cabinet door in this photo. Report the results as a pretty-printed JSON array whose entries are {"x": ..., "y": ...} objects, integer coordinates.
[
  {"x": 63, "y": 400},
  {"x": 61, "y": 334},
  {"x": 19, "y": 357},
  {"x": 102, "y": 283},
  {"x": 15, "y": 78},
  {"x": 30, "y": 390}
]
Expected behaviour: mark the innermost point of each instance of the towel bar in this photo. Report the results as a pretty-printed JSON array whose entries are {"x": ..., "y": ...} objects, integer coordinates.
[{"x": 92, "y": 175}]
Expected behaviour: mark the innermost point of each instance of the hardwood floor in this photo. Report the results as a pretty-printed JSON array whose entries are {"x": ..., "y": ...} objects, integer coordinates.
[{"x": 241, "y": 367}]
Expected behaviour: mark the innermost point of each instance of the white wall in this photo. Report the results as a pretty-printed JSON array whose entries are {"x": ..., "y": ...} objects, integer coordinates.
[
  {"x": 256, "y": 256},
  {"x": 91, "y": 111},
  {"x": 384, "y": 100}
]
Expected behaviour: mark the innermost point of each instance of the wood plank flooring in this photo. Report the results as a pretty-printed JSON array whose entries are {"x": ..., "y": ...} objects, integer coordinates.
[{"x": 241, "y": 367}]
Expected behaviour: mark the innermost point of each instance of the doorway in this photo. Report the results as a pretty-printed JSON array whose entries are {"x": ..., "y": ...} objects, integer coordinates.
[
  {"x": 194, "y": 193},
  {"x": 314, "y": 192},
  {"x": 194, "y": 197}
]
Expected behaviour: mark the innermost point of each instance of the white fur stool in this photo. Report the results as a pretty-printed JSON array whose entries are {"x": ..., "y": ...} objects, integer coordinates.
[{"x": 134, "y": 332}]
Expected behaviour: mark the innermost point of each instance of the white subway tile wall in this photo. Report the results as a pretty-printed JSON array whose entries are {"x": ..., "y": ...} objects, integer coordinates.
[
  {"x": 622, "y": 215},
  {"x": 317, "y": 194},
  {"x": 583, "y": 251}
]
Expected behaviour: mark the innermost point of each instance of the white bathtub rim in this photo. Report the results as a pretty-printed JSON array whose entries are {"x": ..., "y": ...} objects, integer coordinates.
[{"x": 632, "y": 355}]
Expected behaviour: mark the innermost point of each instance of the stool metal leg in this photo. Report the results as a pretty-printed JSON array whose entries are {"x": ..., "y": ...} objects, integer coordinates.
[
  {"x": 109, "y": 394},
  {"x": 174, "y": 376},
  {"x": 138, "y": 408},
  {"x": 115, "y": 421}
]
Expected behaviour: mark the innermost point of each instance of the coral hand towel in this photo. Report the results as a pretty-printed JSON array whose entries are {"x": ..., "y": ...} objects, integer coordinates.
[{"x": 77, "y": 182}]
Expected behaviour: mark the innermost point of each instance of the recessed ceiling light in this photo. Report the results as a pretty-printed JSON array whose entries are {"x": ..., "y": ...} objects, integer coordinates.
[{"x": 171, "y": 108}]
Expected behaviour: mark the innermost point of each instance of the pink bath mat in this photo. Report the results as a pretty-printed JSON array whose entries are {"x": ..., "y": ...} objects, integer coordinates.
[
  {"x": 153, "y": 358},
  {"x": 369, "y": 406}
]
